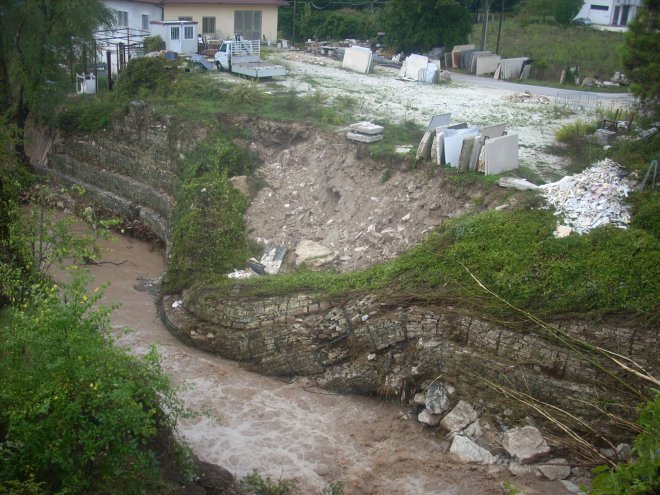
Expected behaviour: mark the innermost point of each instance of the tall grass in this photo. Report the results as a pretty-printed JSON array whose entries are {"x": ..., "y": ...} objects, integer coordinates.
[{"x": 555, "y": 47}]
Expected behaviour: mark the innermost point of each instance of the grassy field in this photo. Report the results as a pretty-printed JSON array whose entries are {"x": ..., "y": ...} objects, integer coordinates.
[{"x": 555, "y": 47}]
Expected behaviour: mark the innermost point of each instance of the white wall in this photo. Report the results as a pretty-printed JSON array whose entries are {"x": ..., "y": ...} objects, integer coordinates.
[
  {"x": 597, "y": 16},
  {"x": 135, "y": 11}
]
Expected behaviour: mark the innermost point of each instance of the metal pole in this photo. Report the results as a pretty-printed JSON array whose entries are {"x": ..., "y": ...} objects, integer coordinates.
[
  {"x": 108, "y": 55},
  {"x": 294, "y": 23},
  {"x": 499, "y": 29}
]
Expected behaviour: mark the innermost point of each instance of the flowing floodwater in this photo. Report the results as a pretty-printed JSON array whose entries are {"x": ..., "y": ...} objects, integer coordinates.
[{"x": 288, "y": 430}]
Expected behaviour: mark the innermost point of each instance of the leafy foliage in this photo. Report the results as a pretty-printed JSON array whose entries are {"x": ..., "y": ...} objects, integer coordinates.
[
  {"x": 36, "y": 39},
  {"x": 424, "y": 24},
  {"x": 147, "y": 76},
  {"x": 640, "y": 56},
  {"x": 91, "y": 113},
  {"x": 76, "y": 412},
  {"x": 256, "y": 484},
  {"x": 641, "y": 475},
  {"x": 209, "y": 229},
  {"x": 566, "y": 10},
  {"x": 153, "y": 44}
]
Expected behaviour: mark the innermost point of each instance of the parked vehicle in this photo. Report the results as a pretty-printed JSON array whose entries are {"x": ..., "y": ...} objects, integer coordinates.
[
  {"x": 582, "y": 21},
  {"x": 244, "y": 57}
]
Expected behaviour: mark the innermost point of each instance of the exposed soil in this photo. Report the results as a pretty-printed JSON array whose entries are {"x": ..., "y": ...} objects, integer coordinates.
[
  {"x": 288, "y": 430},
  {"x": 321, "y": 187}
]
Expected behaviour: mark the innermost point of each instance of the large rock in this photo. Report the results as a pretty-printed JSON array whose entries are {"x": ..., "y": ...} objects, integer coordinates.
[
  {"x": 555, "y": 469},
  {"x": 437, "y": 398},
  {"x": 525, "y": 444},
  {"x": 468, "y": 451},
  {"x": 314, "y": 254},
  {"x": 459, "y": 417},
  {"x": 428, "y": 418}
]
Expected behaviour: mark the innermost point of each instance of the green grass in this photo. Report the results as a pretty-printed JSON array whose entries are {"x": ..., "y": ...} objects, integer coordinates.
[
  {"x": 556, "y": 47},
  {"x": 515, "y": 254}
]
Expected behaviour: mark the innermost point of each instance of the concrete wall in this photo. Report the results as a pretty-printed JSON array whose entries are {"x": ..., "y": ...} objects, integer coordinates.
[
  {"x": 135, "y": 11},
  {"x": 224, "y": 17}
]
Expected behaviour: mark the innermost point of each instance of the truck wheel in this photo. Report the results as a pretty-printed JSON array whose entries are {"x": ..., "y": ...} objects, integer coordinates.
[{"x": 219, "y": 66}]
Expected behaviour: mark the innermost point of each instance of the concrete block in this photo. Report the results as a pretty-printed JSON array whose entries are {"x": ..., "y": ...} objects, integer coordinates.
[
  {"x": 466, "y": 153},
  {"x": 493, "y": 131},
  {"x": 487, "y": 64},
  {"x": 472, "y": 59},
  {"x": 424, "y": 148},
  {"x": 501, "y": 154},
  {"x": 511, "y": 67},
  {"x": 476, "y": 152},
  {"x": 363, "y": 138},
  {"x": 438, "y": 120},
  {"x": 357, "y": 59},
  {"x": 416, "y": 66},
  {"x": 453, "y": 143},
  {"x": 367, "y": 128}
]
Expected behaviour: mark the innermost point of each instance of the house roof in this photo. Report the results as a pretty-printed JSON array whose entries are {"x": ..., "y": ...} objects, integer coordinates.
[{"x": 277, "y": 3}]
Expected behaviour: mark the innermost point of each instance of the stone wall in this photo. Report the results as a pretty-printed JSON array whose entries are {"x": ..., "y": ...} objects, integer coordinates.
[
  {"x": 129, "y": 169},
  {"x": 368, "y": 345}
]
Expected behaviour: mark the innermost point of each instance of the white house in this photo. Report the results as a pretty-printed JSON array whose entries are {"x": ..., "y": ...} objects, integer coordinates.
[
  {"x": 179, "y": 36},
  {"x": 610, "y": 12},
  {"x": 132, "y": 24}
]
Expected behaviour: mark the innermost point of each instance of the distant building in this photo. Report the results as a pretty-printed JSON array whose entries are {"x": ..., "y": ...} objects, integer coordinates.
[
  {"x": 613, "y": 13},
  {"x": 132, "y": 23},
  {"x": 223, "y": 19}
]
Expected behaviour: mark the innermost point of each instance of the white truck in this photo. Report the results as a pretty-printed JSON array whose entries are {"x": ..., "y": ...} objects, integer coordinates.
[{"x": 244, "y": 57}]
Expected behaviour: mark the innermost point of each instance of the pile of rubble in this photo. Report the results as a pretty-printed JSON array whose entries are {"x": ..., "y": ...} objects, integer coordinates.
[
  {"x": 590, "y": 199},
  {"x": 527, "y": 97},
  {"x": 522, "y": 450}
]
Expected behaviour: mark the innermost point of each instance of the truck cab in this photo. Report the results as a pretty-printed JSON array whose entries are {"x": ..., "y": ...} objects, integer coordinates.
[{"x": 222, "y": 59}]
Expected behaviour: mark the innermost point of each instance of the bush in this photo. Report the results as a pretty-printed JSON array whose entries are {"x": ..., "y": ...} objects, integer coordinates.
[
  {"x": 209, "y": 231},
  {"x": 641, "y": 475},
  {"x": 147, "y": 76},
  {"x": 76, "y": 412},
  {"x": 153, "y": 44},
  {"x": 573, "y": 134}
]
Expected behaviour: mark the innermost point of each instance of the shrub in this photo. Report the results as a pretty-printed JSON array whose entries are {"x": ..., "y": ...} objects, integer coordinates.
[
  {"x": 147, "y": 76},
  {"x": 573, "y": 134},
  {"x": 209, "y": 231},
  {"x": 153, "y": 44},
  {"x": 77, "y": 412},
  {"x": 641, "y": 475}
]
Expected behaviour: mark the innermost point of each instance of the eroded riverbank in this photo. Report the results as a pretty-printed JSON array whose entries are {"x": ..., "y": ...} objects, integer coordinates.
[{"x": 288, "y": 430}]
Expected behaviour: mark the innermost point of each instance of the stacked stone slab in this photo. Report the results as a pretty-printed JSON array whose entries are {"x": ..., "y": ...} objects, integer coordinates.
[{"x": 365, "y": 132}]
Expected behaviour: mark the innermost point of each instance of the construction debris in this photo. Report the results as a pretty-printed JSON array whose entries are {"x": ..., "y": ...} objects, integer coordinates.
[
  {"x": 358, "y": 59},
  {"x": 365, "y": 132},
  {"x": 590, "y": 199},
  {"x": 527, "y": 97},
  {"x": 516, "y": 183},
  {"x": 269, "y": 264}
]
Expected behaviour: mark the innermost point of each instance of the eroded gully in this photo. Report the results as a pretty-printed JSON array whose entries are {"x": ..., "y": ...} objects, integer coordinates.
[{"x": 287, "y": 430}]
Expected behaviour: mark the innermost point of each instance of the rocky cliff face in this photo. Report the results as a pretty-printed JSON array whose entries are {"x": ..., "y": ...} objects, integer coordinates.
[{"x": 370, "y": 345}]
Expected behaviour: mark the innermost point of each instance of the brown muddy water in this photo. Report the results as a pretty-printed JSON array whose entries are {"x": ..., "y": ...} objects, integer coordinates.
[{"x": 288, "y": 430}]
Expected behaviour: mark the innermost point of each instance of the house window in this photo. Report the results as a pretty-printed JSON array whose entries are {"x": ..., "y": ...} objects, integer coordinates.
[
  {"x": 208, "y": 25},
  {"x": 187, "y": 32},
  {"x": 122, "y": 18},
  {"x": 247, "y": 23},
  {"x": 185, "y": 18},
  {"x": 604, "y": 8},
  {"x": 145, "y": 22},
  {"x": 174, "y": 33}
]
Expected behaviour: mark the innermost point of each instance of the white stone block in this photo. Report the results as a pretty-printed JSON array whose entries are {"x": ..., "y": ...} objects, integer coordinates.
[
  {"x": 501, "y": 154},
  {"x": 367, "y": 128},
  {"x": 357, "y": 59},
  {"x": 363, "y": 138}
]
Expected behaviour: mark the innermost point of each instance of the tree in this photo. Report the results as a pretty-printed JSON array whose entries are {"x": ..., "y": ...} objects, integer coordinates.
[
  {"x": 419, "y": 25},
  {"x": 566, "y": 10},
  {"x": 38, "y": 38},
  {"x": 640, "y": 56}
]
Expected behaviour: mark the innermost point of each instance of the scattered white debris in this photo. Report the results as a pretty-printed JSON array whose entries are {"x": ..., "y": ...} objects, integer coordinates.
[
  {"x": 527, "y": 97},
  {"x": 592, "y": 198},
  {"x": 177, "y": 304},
  {"x": 240, "y": 274}
]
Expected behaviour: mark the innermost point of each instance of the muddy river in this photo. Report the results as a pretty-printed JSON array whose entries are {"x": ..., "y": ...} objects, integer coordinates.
[{"x": 289, "y": 430}]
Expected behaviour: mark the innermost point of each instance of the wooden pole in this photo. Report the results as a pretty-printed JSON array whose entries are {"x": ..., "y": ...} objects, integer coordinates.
[
  {"x": 499, "y": 30},
  {"x": 293, "y": 41}
]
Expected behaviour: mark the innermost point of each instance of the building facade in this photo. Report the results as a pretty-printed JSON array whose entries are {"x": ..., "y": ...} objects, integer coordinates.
[
  {"x": 224, "y": 19},
  {"x": 610, "y": 12}
]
